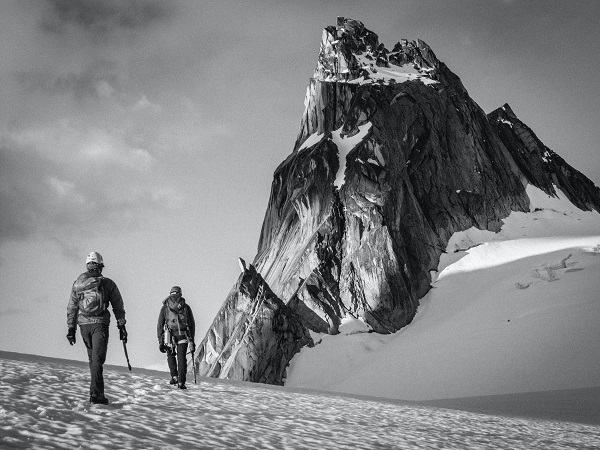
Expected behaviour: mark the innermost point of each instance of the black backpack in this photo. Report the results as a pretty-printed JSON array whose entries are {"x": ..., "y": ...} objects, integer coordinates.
[
  {"x": 90, "y": 295},
  {"x": 176, "y": 319}
]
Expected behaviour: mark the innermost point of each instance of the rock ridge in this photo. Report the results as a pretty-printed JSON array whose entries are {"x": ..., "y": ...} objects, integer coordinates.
[{"x": 543, "y": 167}]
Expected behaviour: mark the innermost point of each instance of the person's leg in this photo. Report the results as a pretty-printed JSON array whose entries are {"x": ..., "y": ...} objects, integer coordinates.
[
  {"x": 100, "y": 344},
  {"x": 182, "y": 362},
  {"x": 95, "y": 338},
  {"x": 86, "y": 336},
  {"x": 172, "y": 362}
]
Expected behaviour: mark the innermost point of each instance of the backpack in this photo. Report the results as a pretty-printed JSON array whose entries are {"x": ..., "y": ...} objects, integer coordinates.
[
  {"x": 176, "y": 319},
  {"x": 91, "y": 298}
]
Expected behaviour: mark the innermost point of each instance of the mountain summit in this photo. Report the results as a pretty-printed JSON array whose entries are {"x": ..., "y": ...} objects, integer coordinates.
[{"x": 393, "y": 157}]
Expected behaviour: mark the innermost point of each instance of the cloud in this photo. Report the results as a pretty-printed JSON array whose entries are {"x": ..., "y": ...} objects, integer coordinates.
[
  {"x": 168, "y": 196},
  {"x": 98, "y": 146},
  {"x": 96, "y": 79},
  {"x": 66, "y": 191},
  {"x": 54, "y": 189},
  {"x": 144, "y": 104},
  {"x": 104, "y": 16},
  {"x": 104, "y": 115},
  {"x": 77, "y": 146},
  {"x": 104, "y": 89}
]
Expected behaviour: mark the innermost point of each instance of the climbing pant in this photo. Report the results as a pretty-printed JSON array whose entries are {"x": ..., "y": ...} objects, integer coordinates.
[{"x": 95, "y": 338}]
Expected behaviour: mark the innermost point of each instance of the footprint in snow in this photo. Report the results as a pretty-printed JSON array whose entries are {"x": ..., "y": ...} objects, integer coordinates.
[{"x": 547, "y": 272}]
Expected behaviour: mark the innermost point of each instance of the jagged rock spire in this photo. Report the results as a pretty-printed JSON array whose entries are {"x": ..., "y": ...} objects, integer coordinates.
[
  {"x": 392, "y": 158},
  {"x": 419, "y": 161}
]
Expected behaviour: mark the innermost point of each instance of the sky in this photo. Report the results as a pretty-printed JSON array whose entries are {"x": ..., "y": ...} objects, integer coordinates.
[
  {"x": 149, "y": 131},
  {"x": 145, "y": 412},
  {"x": 510, "y": 312}
]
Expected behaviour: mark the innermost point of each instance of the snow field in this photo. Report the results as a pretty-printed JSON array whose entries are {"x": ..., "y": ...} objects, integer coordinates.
[{"x": 44, "y": 405}]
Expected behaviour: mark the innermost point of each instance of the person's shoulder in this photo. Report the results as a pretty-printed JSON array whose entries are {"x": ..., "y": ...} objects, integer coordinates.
[
  {"x": 80, "y": 280},
  {"x": 82, "y": 276},
  {"x": 108, "y": 282}
]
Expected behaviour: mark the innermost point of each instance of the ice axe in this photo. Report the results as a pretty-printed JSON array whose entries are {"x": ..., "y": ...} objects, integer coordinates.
[
  {"x": 126, "y": 355},
  {"x": 193, "y": 366},
  {"x": 123, "y": 337}
]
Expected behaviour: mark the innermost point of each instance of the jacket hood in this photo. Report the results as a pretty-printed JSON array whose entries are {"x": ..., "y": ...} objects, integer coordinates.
[
  {"x": 174, "y": 302},
  {"x": 87, "y": 274}
]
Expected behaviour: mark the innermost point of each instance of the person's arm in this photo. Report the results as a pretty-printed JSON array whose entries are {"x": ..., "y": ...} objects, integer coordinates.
[
  {"x": 160, "y": 326},
  {"x": 72, "y": 312},
  {"x": 116, "y": 301},
  {"x": 72, "y": 309},
  {"x": 191, "y": 323},
  {"x": 160, "y": 330}
]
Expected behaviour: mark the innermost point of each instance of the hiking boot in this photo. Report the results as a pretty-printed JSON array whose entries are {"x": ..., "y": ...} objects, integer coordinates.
[
  {"x": 182, "y": 386},
  {"x": 173, "y": 380},
  {"x": 99, "y": 400}
]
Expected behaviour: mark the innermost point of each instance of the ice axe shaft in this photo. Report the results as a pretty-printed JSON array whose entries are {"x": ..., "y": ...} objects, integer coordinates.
[
  {"x": 193, "y": 366},
  {"x": 126, "y": 355}
]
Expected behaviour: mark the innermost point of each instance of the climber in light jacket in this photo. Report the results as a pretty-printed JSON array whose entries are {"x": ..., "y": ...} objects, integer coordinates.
[
  {"x": 91, "y": 295},
  {"x": 176, "y": 329}
]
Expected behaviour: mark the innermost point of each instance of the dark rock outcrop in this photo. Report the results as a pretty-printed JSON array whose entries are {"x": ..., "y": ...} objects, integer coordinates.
[
  {"x": 543, "y": 167},
  {"x": 392, "y": 158},
  {"x": 254, "y": 336}
]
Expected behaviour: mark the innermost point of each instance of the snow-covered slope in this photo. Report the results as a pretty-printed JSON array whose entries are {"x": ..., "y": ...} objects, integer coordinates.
[
  {"x": 516, "y": 311},
  {"x": 43, "y": 405}
]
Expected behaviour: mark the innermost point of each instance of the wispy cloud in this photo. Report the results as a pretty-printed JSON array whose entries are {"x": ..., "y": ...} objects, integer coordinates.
[
  {"x": 70, "y": 192},
  {"x": 143, "y": 104},
  {"x": 66, "y": 190},
  {"x": 108, "y": 109},
  {"x": 104, "y": 16}
]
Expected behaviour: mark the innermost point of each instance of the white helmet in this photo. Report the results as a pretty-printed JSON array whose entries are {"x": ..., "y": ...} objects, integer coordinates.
[{"x": 94, "y": 257}]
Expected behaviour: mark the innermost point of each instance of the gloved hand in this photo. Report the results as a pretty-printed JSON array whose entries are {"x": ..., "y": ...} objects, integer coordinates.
[
  {"x": 192, "y": 347},
  {"x": 122, "y": 333},
  {"x": 71, "y": 336},
  {"x": 162, "y": 347}
]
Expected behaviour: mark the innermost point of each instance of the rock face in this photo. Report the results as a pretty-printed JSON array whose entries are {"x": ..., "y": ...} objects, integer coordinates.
[
  {"x": 254, "y": 336},
  {"x": 543, "y": 167},
  {"x": 392, "y": 158}
]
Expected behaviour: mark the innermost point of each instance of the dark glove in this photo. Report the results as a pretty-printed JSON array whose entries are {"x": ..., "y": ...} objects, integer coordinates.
[
  {"x": 122, "y": 333},
  {"x": 71, "y": 336},
  {"x": 162, "y": 347}
]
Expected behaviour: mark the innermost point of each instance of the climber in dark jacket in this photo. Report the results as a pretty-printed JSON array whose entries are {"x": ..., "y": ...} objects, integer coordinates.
[
  {"x": 175, "y": 329},
  {"x": 88, "y": 307}
]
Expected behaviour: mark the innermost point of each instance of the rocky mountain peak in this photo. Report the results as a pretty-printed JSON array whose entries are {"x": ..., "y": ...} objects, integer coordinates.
[
  {"x": 392, "y": 158},
  {"x": 351, "y": 53}
]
